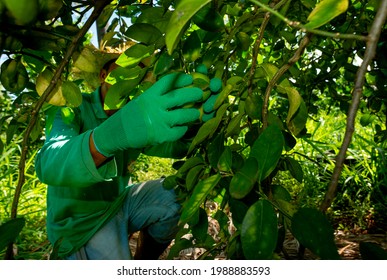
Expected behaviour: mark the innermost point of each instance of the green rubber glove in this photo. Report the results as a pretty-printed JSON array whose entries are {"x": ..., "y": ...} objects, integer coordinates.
[
  {"x": 215, "y": 87},
  {"x": 152, "y": 118},
  {"x": 178, "y": 149}
]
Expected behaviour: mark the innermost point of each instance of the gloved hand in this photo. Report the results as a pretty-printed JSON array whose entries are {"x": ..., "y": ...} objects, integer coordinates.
[
  {"x": 178, "y": 149},
  {"x": 152, "y": 118},
  {"x": 215, "y": 86}
]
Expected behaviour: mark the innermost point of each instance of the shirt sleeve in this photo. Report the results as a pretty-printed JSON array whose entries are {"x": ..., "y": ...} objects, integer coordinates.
[{"x": 65, "y": 158}]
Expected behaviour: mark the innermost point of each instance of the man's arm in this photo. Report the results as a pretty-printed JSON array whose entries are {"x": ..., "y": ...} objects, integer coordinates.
[
  {"x": 97, "y": 156},
  {"x": 69, "y": 159}
]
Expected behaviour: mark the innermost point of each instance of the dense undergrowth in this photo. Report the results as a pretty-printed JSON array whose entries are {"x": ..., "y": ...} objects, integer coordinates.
[{"x": 359, "y": 206}]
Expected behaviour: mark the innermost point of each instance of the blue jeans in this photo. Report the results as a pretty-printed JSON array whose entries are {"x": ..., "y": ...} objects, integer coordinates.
[{"x": 147, "y": 205}]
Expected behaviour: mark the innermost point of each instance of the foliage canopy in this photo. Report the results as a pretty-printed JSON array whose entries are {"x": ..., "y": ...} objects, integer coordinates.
[{"x": 281, "y": 63}]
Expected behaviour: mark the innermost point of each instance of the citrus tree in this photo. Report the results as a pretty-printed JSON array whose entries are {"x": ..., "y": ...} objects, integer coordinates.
[{"x": 280, "y": 63}]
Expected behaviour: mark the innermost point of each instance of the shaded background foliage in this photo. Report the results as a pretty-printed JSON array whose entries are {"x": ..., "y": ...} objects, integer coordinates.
[{"x": 265, "y": 160}]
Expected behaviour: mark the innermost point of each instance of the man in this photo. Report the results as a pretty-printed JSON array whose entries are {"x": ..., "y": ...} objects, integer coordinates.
[{"x": 91, "y": 210}]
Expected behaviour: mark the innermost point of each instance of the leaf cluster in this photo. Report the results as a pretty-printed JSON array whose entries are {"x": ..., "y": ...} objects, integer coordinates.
[{"x": 280, "y": 63}]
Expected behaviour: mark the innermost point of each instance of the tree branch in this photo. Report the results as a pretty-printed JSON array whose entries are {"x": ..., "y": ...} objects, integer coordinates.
[
  {"x": 99, "y": 6},
  {"x": 298, "y": 25},
  {"x": 258, "y": 42},
  {"x": 372, "y": 40},
  {"x": 256, "y": 46},
  {"x": 297, "y": 55}
]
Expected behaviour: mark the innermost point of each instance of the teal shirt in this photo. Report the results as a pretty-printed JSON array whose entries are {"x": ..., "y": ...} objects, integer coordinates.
[{"x": 80, "y": 197}]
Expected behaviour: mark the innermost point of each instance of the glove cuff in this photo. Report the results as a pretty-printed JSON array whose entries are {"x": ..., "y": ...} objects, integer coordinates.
[
  {"x": 120, "y": 131},
  {"x": 102, "y": 152}
]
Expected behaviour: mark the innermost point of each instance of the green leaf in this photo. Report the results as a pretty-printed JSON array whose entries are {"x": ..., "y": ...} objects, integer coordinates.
[
  {"x": 238, "y": 210},
  {"x": 192, "y": 47},
  {"x": 208, "y": 128},
  {"x": 144, "y": 33},
  {"x": 267, "y": 150},
  {"x": 297, "y": 114},
  {"x": 225, "y": 160},
  {"x": 282, "y": 200},
  {"x": 72, "y": 93},
  {"x": 11, "y": 130},
  {"x": 309, "y": 3},
  {"x": 180, "y": 244},
  {"x": 367, "y": 119},
  {"x": 118, "y": 94},
  {"x": 280, "y": 192},
  {"x": 202, "y": 189},
  {"x": 297, "y": 123},
  {"x": 325, "y": 11},
  {"x": 254, "y": 104},
  {"x": 9, "y": 231},
  {"x": 223, "y": 222},
  {"x": 163, "y": 64},
  {"x": 199, "y": 231},
  {"x": 185, "y": 10},
  {"x": 35, "y": 60},
  {"x": 233, "y": 127},
  {"x": 157, "y": 16},
  {"x": 134, "y": 55},
  {"x": 223, "y": 96},
  {"x": 294, "y": 100},
  {"x": 372, "y": 251},
  {"x": 259, "y": 231},
  {"x": 125, "y": 74},
  {"x": 269, "y": 70},
  {"x": 67, "y": 114},
  {"x": 209, "y": 19},
  {"x": 193, "y": 176},
  {"x": 190, "y": 163},
  {"x": 294, "y": 168},
  {"x": 170, "y": 182},
  {"x": 123, "y": 81},
  {"x": 243, "y": 181},
  {"x": 215, "y": 149},
  {"x": 313, "y": 230}
]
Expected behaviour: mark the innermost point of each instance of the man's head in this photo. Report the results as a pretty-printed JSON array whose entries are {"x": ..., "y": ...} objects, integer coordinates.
[{"x": 106, "y": 69}]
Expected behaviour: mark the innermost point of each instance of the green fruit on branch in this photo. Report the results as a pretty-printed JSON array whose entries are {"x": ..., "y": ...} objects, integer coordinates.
[
  {"x": 24, "y": 11},
  {"x": 87, "y": 60},
  {"x": 43, "y": 81},
  {"x": 14, "y": 76},
  {"x": 200, "y": 80},
  {"x": 243, "y": 40},
  {"x": 206, "y": 94}
]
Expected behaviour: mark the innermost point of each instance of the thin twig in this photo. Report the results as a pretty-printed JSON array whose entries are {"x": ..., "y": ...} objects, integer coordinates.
[
  {"x": 256, "y": 47},
  {"x": 302, "y": 27},
  {"x": 372, "y": 40},
  {"x": 99, "y": 6},
  {"x": 258, "y": 42},
  {"x": 273, "y": 82}
]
